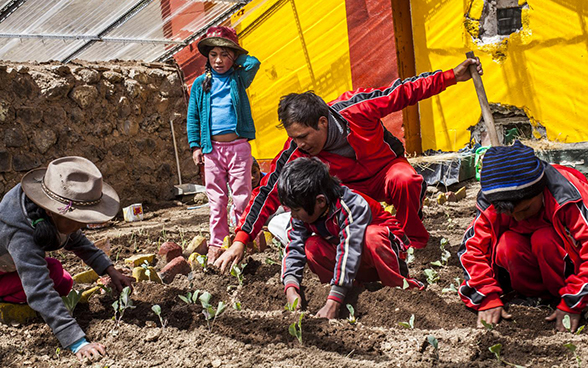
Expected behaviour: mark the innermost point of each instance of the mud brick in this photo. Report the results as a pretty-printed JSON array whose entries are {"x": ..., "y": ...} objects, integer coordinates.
[
  {"x": 193, "y": 261},
  {"x": 86, "y": 277},
  {"x": 260, "y": 242},
  {"x": 441, "y": 198},
  {"x": 87, "y": 294},
  {"x": 198, "y": 245},
  {"x": 16, "y": 313},
  {"x": 178, "y": 265},
  {"x": 140, "y": 274},
  {"x": 139, "y": 259},
  {"x": 168, "y": 251},
  {"x": 269, "y": 237}
]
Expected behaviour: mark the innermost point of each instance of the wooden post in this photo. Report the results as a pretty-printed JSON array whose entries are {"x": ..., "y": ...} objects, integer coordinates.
[{"x": 486, "y": 113}]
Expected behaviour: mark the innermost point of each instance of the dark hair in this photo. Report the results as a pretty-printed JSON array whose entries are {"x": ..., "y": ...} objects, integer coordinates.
[
  {"x": 207, "y": 82},
  {"x": 504, "y": 206},
  {"x": 45, "y": 234},
  {"x": 255, "y": 164},
  {"x": 302, "y": 180},
  {"x": 302, "y": 108}
]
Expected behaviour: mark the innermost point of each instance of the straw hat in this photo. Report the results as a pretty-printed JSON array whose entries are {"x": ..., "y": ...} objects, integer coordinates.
[
  {"x": 72, "y": 187},
  {"x": 220, "y": 37}
]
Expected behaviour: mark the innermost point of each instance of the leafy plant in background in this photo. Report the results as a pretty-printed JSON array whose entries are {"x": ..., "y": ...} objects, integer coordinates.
[
  {"x": 571, "y": 347},
  {"x": 432, "y": 276},
  {"x": 270, "y": 261},
  {"x": 567, "y": 323},
  {"x": 488, "y": 326},
  {"x": 237, "y": 306},
  {"x": 409, "y": 324},
  {"x": 157, "y": 310},
  {"x": 445, "y": 254},
  {"x": 433, "y": 341},
  {"x": 123, "y": 303},
  {"x": 71, "y": 300},
  {"x": 453, "y": 287},
  {"x": 295, "y": 329},
  {"x": 238, "y": 272},
  {"x": 190, "y": 298},
  {"x": 496, "y": 350},
  {"x": 291, "y": 307},
  {"x": 410, "y": 255},
  {"x": 351, "y": 317},
  {"x": 202, "y": 260},
  {"x": 211, "y": 313}
]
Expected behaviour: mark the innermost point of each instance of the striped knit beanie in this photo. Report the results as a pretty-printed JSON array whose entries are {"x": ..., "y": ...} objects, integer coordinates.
[{"x": 511, "y": 173}]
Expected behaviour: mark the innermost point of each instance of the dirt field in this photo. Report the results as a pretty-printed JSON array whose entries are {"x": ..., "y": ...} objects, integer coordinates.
[{"x": 257, "y": 335}]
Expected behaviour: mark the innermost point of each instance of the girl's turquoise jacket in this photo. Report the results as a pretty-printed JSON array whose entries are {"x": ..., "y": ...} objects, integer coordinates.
[{"x": 198, "y": 126}]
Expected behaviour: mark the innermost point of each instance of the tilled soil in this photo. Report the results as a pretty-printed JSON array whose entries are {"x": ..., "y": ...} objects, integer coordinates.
[{"x": 257, "y": 335}]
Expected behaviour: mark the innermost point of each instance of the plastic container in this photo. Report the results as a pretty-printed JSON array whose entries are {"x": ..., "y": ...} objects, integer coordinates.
[
  {"x": 133, "y": 212},
  {"x": 478, "y": 160}
]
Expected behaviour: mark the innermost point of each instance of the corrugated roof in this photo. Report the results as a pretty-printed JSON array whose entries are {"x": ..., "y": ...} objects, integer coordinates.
[{"x": 95, "y": 30}]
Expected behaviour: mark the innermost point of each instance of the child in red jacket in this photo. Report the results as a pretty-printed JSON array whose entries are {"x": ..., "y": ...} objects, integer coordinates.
[
  {"x": 531, "y": 232},
  {"x": 342, "y": 235}
]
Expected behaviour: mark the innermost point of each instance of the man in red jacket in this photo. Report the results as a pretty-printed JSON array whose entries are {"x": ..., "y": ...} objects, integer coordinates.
[
  {"x": 530, "y": 231},
  {"x": 348, "y": 135}
]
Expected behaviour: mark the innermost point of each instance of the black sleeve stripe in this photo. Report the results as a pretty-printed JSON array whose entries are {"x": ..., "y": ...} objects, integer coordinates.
[
  {"x": 377, "y": 93},
  {"x": 264, "y": 192},
  {"x": 572, "y": 300}
]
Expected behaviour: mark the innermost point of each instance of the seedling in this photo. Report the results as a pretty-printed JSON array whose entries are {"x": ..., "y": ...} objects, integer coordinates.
[
  {"x": 405, "y": 284},
  {"x": 190, "y": 298},
  {"x": 571, "y": 347},
  {"x": 123, "y": 303},
  {"x": 453, "y": 287},
  {"x": 157, "y": 310},
  {"x": 202, "y": 260},
  {"x": 496, "y": 350},
  {"x": 580, "y": 329},
  {"x": 445, "y": 254},
  {"x": 433, "y": 341},
  {"x": 410, "y": 255},
  {"x": 409, "y": 324},
  {"x": 58, "y": 352},
  {"x": 432, "y": 276},
  {"x": 488, "y": 326},
  {"x": 71, "y": 300},
  {"x": 145, "y": 266},
  {"x": 351, "y": 317},
  {"x": 270, "y": 261},
  {"x": 238, "y": 273},
  {"x": 210, "y": 313},
  {"x": 237, "y": 306},
  {"x": 291, "y": 307},
  {"x": 295, "y": 329}
]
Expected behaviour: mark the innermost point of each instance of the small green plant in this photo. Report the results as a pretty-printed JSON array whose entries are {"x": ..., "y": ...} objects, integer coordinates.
[
  {"x": 410, "y": 255},
  {"x": 71, "y": 300},
  {"x": 292, "y": 307},
  {"x": 123, "y": 303},
  {"x": 580, "y": 329},
  {"x": 432, "y": 276},
  {"x": 488, "y": 326},
  {"x": 435, "y": 344},
  {"x": 567, "y": 323},
  {"x": 202, "y": 260},
  {"x": 190, "y": 298},
  {"x": 445, "y": 254},
  {"x": 145, "y": 266},
  {"x": 405, "y": 284},
  {"x": 351, "y": 317},
  {"x": 58, "y": 352},
  {"x": 295, "y": 329},
  {"x": 270, "y": 261},
  {"x": 496, "y": 350},
  {"x": 409, "y": 324},
  {"x": 571, "y": 347},
  {"x": 237, "y": 306},
  {"x": 157, "y": 310},
  {"x": 211, "y": 313},
  {"x": 238, "y": 272},
  {"x": 453, "y": 287}
]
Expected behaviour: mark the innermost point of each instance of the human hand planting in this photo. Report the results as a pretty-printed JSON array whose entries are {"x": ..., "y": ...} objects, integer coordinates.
[
  {"x": 558, "y": 317},
  {"x": 230, "y": 257},
  {"x": 119, "y": 280},
  {"x": 330, "y": 310},
  {"x": 492, "y": 316},
  {"x": 293, "y": 298},
  {"x": 91, "y": 351}
]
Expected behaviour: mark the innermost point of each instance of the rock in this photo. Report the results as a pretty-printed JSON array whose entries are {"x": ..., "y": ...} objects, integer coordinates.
[
  {"x": 168, "y": 251},
  {"x": 260, "y": 243},
  {"x": 55, "y": 116},
  {"x": 107, "y": 89},
  {"x": 16, "y": 313},
  {"x": 24, "y": 162},
  {"x": 200, "y": 198},
  {"x": 216, "y": 363},
  {"x": 57, "y": 89},
  {"x": 156, "y": 74},
  {"x": 14, "y": 137},
  {"x": 133, "y": 88},
  {"x": 6, "y": 112},
  {"x": 24, "y": 86},
  {"x": 84, "y": 96},
  {"x": 199, "y": 244},
  {"x": 124, "y": 107},
  {"x": 87, "y": 294},
  {"x": 22, "y": 69},
  {"x": 139, "y": 259},
  {"x": 61, "y": 70},
  {"x": 29, "y": 115},
  {"x": 89, "y": 76},
  {"x": 112, "y": 77},
  {"x": 44, "y": 140},
  {"x": 86, "y": 277},
  {"x": 139, "y": 76},
  {"x": 175, "y": 267},
  {"x": 5, "y": 161},
  {"x": 140, "y": 274},
  {"x": 171, "y": 86}
]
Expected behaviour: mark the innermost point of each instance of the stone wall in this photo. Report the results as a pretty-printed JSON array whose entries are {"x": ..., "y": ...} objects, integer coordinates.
[{"x": 115, "y": 114}]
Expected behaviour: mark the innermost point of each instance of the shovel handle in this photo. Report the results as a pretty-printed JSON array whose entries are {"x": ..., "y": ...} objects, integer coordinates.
[{"x": 485, "y": 106}]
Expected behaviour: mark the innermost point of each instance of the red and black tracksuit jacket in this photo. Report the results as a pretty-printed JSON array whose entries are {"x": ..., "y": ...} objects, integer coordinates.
[
  {"x": 374, "y": 146},
  {"x": 566, "y": 206}
]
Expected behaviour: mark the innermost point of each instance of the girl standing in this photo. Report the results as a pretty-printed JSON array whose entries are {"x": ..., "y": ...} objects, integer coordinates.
[
  {"x": 43, "y": 213},
  {"x": 220, "y": 126}
]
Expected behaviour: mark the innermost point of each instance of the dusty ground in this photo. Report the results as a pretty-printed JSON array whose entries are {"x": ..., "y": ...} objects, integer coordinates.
[{"x": 257, "y": 336}]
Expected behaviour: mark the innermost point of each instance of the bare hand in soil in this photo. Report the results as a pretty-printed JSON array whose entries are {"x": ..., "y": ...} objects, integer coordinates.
[
  {"x": 197, "y": 156},
  {"x": 119, "y": 280},
  {"x": 559, "y": 315},
  {"x": 213, "y": 254},
  {"x": 291, "y": 296},
  {"x": 230, "y": 257},
  {"x": 330, "y": 310},
  {"x": 91, "y": 351},
  {"x": 462, "y": 71},
  {"x": 492, "y": 316}
]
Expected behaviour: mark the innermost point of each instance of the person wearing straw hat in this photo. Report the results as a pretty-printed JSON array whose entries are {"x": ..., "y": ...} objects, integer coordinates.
[
  {"x": 530, "y": 235},
  {"x": 219, "y": 127},
  {"x": 46, "y": 212}
]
